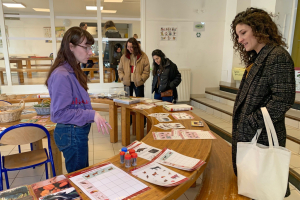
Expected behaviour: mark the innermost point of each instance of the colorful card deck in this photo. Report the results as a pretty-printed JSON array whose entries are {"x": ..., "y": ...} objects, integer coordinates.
[{"x": 45, "y": 116}]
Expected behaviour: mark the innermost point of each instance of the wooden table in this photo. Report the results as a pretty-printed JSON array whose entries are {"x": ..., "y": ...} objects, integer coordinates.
[
  {"x": 194, "y": 148},
  {"x": 113, "y": 117},
  {"x": 57, "y": 158},
  {"x": 18, "y": 61}
]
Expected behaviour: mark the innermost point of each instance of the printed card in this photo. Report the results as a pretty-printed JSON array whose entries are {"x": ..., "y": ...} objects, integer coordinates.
[
  {"x": 166, "y": 136},
  {"x": 182, "y": 116},
  {"x": 36, "y": 117},
  {"x": 32, "y": 120},
  {"x": 46, "y": 116},
  {"x": 157, "y": 174},
  {"x": 163, "y": 119},
  {"x": 24, "y": 120},
  {"x": 197, "y": 123},
  {"x": 42, "y": 120}
]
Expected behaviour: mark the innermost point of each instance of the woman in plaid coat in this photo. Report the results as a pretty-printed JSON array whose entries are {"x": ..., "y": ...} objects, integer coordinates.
[{"x": 268, "y": 81}]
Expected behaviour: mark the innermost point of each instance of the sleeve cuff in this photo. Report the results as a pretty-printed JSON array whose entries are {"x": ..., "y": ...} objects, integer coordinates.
[{"x": 91, "y": 115}]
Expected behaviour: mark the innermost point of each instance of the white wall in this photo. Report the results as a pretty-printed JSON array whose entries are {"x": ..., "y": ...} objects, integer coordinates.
[{"x": 202, "y": 55}]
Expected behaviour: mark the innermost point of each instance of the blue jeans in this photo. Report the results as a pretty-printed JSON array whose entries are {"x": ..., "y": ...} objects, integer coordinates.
[
  {"x": 72, "y": 140},
  {"x": 158, "y": 96}
]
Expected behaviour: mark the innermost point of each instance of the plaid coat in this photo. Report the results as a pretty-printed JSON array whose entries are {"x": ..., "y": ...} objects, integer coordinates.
[{"x": 270, "y": 84}]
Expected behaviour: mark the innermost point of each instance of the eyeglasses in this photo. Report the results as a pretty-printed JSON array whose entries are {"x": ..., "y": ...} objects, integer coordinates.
[{"x": 87, "y": 49}]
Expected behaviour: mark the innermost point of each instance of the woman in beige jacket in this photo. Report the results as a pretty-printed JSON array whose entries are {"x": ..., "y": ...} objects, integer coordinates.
[{"x": 134, "y": 68}]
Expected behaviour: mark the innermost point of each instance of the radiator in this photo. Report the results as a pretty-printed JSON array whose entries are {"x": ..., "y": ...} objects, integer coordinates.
[{"x": 184, "y": 88}]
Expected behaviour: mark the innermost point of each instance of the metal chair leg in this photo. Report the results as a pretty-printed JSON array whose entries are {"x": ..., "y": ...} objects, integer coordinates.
[
  {"x": 46, "y": 170},
  {"x": 6, "y": 179}
]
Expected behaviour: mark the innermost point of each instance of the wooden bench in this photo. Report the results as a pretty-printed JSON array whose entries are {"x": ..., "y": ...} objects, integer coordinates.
[{"x": 219, "y": 180}]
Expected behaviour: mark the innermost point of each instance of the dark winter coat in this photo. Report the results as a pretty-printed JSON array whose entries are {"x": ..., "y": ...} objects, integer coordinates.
[
  {"x": 271, "y": 84},
  {"x": 170, "y": 78}
]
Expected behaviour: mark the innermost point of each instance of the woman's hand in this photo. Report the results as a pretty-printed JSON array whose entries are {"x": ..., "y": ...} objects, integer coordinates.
[{"x": 101, "y": 123}]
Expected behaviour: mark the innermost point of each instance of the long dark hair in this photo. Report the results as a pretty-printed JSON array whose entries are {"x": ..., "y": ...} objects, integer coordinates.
[
  {"x": 159, "y": 53},
  {"x": 74, "y": 35},
  {"x": 136, "y": 47},
  {"x": 263, "y": 28}
]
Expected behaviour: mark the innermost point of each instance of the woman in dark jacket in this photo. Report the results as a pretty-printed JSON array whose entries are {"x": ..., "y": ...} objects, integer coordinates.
[
  {"x": 268, "y": 81},
  {"x": 166, "y": 77}
]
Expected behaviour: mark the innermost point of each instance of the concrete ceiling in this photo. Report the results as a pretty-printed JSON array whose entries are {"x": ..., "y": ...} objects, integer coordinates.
[{"x": 128, "y": 8}]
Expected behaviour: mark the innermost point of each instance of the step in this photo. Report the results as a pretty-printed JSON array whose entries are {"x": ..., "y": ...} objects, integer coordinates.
[
  {"x": 223, "y": 108},
  {"x": 223, "y": 127},
  {"x": 231, "y": 88}
]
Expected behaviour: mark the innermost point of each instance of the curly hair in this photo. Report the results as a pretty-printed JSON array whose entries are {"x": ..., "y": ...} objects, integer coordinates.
[{"x": 263, "y": 27}]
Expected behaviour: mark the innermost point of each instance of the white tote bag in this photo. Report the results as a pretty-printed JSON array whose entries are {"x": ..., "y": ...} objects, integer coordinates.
[{"x": 263, "y": 170}]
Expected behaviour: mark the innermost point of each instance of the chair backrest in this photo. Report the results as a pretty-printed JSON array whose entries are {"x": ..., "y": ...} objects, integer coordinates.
[
  {"x": 4, "y": 103},
  {"x": 23, "y": 134}
]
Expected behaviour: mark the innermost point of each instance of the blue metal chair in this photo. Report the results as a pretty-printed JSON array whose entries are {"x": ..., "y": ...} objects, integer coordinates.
[
  {"x": 6, "y": 103},
  {"x": 24, "y": 134}
]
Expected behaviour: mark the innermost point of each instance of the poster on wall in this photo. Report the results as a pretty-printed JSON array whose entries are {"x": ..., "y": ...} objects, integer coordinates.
[
  {"x": 59, "y": 32},
  {"x": 297, "y": 78},
  {"x": 168, "y": 33}
]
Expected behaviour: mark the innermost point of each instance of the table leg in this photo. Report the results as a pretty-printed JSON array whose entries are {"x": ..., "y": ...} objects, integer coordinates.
[
  {"x": 125, "y": 112},
  {"x": 139, "y": 126},
  {"x": 133, "y": 123},
  {"x": 28, "y": 66},
  {"x": 113, "y": 121},
  {"x": 149, "y": 125},
  {"x": 92, "y": 74},
  {"x": 57, "y": 158},
  {"x": 2, "y": 77},
  {"x": 20, "y": 74}
]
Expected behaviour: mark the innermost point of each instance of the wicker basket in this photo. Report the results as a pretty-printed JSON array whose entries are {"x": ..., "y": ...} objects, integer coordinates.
[
  {"x": 11, "y": 113},
  {"x": 42, "y": 110}
]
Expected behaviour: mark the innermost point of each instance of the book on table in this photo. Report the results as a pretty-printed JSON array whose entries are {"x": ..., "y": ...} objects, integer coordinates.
[
  {"x": 178, "y": 107},
  {"x": 127, "y": 100}
]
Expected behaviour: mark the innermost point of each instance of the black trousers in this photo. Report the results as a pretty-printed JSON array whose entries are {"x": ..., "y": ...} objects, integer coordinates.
[{"x": 139, "y": 91}]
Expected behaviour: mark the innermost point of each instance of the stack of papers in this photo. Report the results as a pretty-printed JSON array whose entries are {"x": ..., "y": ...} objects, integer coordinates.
[
  {"x": 194, "y": 134},
  {"x": 159, "y": 115},
  {"x": 144, "y": 106},
  {"x": 162, "y": 103},
  {"x": 174, "y": 159},
  {"x": 166, "y": 136},
  {"x": 178, "y": 116},
  {"x": 166, "y": 126},
  {"x": 126, "y": 100},
  {"x": 157, "y": 174},
  {"x": 178, "y": 107},
  {"x": 150, "y": 101}
]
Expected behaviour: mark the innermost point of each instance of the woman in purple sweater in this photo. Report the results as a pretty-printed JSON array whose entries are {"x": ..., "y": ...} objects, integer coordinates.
[{"x": 70, "y": 103}]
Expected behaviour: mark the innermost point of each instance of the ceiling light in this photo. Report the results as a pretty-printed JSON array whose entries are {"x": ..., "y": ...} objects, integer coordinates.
[
  {"x": 113, "y": 1},
  {"x": 92, "y": 7},
  {"x": 41, "y": 9},
  {"x": 108, "y": 11},
  {"x": 14, "y": 5}
]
